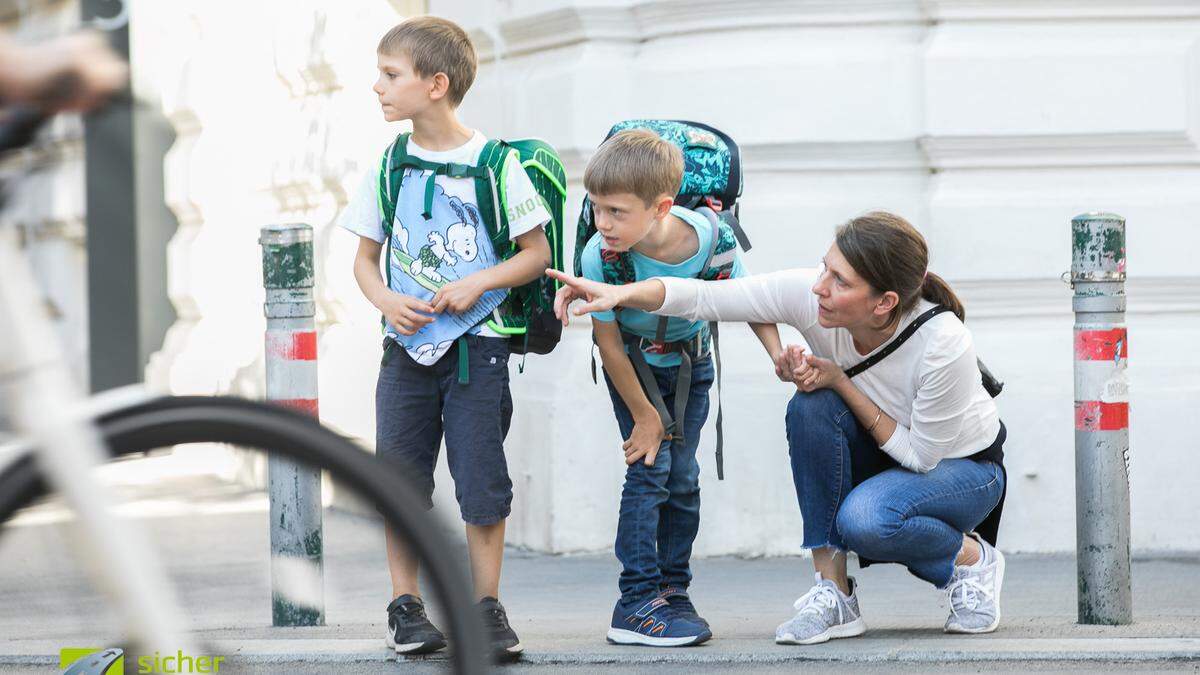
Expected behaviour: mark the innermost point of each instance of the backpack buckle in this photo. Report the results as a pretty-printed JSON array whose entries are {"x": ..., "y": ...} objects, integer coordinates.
[{"x": 654, "y": 347}]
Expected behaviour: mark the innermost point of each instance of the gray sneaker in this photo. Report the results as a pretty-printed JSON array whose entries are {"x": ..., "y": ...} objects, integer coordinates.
[
  {"x": 974, "y": 593},
  {"x": 822, "y": 613}
]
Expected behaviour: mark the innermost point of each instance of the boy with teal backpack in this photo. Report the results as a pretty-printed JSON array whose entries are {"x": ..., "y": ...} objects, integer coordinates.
[
  {"x": 659, "y": 203},
  {"x": 467, "y": 226}
]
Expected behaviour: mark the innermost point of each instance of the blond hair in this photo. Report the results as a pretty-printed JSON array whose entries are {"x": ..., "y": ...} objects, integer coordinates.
[
  {"x": 435, "y": 45},
  {"x": 638, "y": 162}
]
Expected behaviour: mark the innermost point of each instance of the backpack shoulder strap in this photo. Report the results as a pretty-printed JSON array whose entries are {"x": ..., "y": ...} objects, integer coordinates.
[
  {"x": 387, "y": 190},
  {"x": 707, "y": 271},
  {"x": 491, "y": 191},
  {"x": 715, "y": 225},
  {"x": 900, "y": 339},
  {"x": 388, "y": 187},
  {"x": 721, "y": 251}
]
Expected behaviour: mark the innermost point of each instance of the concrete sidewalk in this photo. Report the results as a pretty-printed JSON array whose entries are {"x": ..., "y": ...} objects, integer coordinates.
[{"x": 216, "y": 542}]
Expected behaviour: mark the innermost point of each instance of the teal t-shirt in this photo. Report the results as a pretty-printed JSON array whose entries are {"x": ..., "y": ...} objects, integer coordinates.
[{"x": 643, "y": 323}]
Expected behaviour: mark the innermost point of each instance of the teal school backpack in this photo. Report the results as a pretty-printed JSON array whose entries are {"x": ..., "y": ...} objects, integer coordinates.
[
  {"x": 711, "y": 186},
  {"x": 526, "y": 316}
]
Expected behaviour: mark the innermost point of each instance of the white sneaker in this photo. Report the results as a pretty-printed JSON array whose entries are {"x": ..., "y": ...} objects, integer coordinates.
[
  {"x": 822, "y": 613},
  {"x": 974, "y": 592}
]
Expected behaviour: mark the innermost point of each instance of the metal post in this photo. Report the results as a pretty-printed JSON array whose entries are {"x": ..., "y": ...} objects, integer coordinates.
[
  {"x": 1101, "y": 419},
  {"x": 297, "y": 575}
]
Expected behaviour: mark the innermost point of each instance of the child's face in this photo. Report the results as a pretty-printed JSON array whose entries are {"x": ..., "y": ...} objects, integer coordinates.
[
  {"x": 623, "y": 219},
  {"x": 402, "y": 93}
]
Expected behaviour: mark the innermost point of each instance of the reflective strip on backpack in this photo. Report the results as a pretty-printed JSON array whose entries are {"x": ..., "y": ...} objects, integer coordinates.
[{"x": 722, "y": 259}]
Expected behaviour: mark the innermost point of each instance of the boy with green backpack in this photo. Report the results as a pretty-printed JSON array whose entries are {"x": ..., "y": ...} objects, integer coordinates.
[
  {"x": 660, "y": 202},
  {"x": 467, "y": 226}
]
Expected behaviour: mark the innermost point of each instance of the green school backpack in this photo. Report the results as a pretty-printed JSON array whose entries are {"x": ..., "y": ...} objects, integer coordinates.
[
  {"x": 526, "y": 316},
  {"x": 711, "y": 186},
  {"x": 712, "y": 175}
]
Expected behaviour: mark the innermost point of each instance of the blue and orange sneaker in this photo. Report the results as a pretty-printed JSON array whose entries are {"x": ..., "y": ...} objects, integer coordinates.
[
  {"x": 682, "y": 604},
  {"x": 654, "y": 623}
]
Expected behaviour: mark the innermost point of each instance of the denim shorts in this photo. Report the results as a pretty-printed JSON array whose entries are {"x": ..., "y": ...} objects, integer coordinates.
[{"x": 416, "y": 405}]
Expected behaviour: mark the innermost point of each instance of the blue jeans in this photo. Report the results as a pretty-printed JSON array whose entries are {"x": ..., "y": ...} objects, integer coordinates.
[
  {"x": 660, "y": 504},
  {"x": 853, "y": 496}
]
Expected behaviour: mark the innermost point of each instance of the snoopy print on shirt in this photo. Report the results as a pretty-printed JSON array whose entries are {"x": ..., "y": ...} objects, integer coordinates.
[{"x": 428, "y": 254}]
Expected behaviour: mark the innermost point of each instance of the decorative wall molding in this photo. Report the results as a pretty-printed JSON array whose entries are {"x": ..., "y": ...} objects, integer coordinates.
[
  {"x": 1062, "y": 150},
  {"x": 801, "y": 156},
  {"x": 1019, "y": 298},
  {"x": 675, "y": 17},
  {"x": 938, "y": 153},
  {"x": 639, "y": 22},
  {"x": 1071, "y": 10}
]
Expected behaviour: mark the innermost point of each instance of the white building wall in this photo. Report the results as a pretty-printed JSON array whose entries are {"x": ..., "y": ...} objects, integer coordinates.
[{"x": 988, "y": 124}]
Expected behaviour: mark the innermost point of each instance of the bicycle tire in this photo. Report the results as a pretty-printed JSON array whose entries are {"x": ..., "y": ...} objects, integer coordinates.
[{"x": 177, "y": 420}]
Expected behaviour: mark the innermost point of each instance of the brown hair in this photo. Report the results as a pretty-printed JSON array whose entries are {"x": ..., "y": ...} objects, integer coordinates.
[
  {"x": 435, "y": 45},
  {"x": 891, "y": 255},
  {"x": 635, "y": 161}
]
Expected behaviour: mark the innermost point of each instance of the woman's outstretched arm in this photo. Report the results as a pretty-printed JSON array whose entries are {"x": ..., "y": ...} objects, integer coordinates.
[
  {"x": 777, "y": 297},
  {"x": 599, "y": 297}
]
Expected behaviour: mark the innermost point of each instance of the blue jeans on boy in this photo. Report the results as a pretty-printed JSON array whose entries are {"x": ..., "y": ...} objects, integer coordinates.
[
  {"x": 660, "y": 504},
  {"x": 853, "y": 496}
]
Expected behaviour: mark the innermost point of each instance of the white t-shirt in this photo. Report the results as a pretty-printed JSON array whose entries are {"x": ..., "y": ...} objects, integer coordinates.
[
  {"x": 455, "y": 200},
  {"x": 930, "y": 385}
]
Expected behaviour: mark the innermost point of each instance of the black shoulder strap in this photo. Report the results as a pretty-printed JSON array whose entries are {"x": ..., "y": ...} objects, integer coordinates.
[
  {"x": 713, "y": 328},
  {"x": 892, "y": 346}
]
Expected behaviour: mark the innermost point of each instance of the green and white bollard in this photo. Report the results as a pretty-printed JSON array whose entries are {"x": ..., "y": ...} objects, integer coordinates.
[
  {"x": 297, "y": 550},
  {"x": 1101, "y": 419}
]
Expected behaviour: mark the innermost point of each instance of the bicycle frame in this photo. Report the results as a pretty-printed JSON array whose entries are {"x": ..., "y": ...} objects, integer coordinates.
[{"x": 36, "y": 381}]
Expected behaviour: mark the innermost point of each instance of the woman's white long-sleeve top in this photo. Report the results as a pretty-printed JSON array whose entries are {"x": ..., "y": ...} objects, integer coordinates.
[{"x": 931, "y": 385}]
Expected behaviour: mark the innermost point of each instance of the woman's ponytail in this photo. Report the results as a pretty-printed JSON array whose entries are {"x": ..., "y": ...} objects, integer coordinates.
[{"x": 936, "y": 290}]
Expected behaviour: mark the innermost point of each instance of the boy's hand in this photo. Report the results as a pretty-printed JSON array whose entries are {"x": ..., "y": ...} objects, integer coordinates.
[
  {"x": 818, "y": 373},
  {"x": 784, "y": 364},
  {"x": 563, "y": 299},
  {"x": 458, "y": 296},
  {"x": 648, "y": 434},
  {"x": 797, "y": 366},
  {"x": 404, "y": 312}
]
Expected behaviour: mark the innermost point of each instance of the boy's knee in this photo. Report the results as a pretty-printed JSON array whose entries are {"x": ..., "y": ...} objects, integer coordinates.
[
  {"x": 684, "y": 478},
  {"x": 649, "y": 479}
]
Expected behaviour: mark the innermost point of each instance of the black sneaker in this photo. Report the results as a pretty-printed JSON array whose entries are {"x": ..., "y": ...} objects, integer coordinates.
[
  {"x": 679, "y": 601},
  {"x": 409, "y": 630},
  {"x": 505, "y": 644}
]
